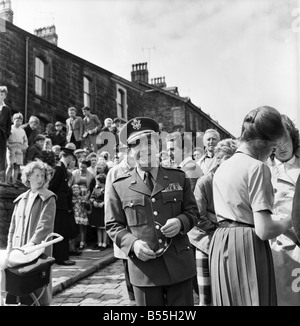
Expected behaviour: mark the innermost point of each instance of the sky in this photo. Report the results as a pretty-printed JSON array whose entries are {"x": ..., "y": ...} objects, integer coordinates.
[{"x": 227, "y": 56}]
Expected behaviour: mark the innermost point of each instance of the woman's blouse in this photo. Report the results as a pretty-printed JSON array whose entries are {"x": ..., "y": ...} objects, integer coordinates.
[{"x": 241, "y": 186}]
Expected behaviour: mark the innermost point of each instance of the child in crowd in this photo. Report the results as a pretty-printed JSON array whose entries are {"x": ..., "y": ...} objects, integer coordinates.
[
  {"x": 56, "y": 150},
  {"x": 92, "y": 157},
  {"x": 48, "y": 154},
  {"x": 5, "y": 128},
  {"x": 73, "y": 164},
  {"x": 96, "y": 218},
  {"x": 78, "y": 201},
  {"x": 34, "y": 152},
  {"x": 17, "y": 144}
]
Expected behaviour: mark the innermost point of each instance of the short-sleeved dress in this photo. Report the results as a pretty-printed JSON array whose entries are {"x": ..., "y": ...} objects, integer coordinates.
[
  {"x": 241, "y": 264},
  {"x": 96, "y": 218},
  {"x": 79, "y": 205},
  {"x": 80, "y": 213}
]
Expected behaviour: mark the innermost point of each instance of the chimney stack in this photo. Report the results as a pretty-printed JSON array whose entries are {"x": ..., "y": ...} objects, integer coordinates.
[
  {"x": 159, "y": 82},
  {"x": 6, "y": 12},
  {"x": 140, "y": 72},
  {"x": 47, "y": 33}
]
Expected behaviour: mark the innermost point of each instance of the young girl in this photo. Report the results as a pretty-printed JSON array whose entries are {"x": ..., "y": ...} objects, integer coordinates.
[
  {"x": 96, "y": 218},
  {"x": 78, "y": 205}
]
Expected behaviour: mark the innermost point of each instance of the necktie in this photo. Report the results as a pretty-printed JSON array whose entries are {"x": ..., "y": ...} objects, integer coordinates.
[{"x": 148, "y": 180}]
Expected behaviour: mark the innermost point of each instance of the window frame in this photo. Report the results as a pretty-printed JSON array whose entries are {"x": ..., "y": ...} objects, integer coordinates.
[
  {"x": 87, "y": 97},
  {"x": 121, "y": 101},
  {"x": 177, "y": 117},
  {"x": 40, "y": 77}
]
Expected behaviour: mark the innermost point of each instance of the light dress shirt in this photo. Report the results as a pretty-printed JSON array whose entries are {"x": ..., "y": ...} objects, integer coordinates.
[{"x": 289, "y": 168}]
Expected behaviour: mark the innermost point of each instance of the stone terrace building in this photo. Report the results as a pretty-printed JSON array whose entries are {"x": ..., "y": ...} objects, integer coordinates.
[{"x": 45, "y": 80}]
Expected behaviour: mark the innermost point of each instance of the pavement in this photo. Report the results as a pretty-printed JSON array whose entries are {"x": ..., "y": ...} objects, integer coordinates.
[{"x": 89, "y": 262}]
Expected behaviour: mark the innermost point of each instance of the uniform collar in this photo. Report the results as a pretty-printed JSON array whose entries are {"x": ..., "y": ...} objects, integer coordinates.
[
  {"x": 153, "y": 172},
  {"x": 161, "y": 181}
]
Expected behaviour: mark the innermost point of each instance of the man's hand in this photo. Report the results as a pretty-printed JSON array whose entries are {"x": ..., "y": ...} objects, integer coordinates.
[
  {"x": 142, "y": 250},
  {"x": 171, "y": 228}
]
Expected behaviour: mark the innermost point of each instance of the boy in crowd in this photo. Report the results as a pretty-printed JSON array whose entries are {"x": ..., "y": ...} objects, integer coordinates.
[{"x": 17, "y": 144}]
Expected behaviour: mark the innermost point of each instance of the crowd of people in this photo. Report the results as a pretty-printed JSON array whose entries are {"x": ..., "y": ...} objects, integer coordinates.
[{"x": 219, "y": 220}]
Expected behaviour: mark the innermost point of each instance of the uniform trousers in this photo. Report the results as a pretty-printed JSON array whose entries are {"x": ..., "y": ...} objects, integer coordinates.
[{"x": 179, "y": 294}]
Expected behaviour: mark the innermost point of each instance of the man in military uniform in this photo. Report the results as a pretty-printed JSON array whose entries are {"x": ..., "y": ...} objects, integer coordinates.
[{"x": 148, "y": 212}]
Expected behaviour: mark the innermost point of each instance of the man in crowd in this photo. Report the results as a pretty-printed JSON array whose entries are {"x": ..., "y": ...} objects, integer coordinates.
[
  {"x": 91, "y": 128},
  {"x": 31, "y": 129},
  {"x": 148, "y": 212},
  {"x": 59, "y": 137},
  {"x": 179, "y": 147},
  {"x": 210, "y": 140},
  {"x": 59, "y": 185},
  {"x": 74, "y": 125}
]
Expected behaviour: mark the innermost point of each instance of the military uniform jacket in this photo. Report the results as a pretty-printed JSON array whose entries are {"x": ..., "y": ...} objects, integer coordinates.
[{"x": 132, "y": 212}]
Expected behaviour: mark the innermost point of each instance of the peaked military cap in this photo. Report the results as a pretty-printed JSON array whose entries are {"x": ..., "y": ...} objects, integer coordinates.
[{"x": 137, "y": 127}]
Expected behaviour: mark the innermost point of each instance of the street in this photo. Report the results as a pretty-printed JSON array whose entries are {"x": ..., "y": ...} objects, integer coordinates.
[{"x": 106, "y": 287}]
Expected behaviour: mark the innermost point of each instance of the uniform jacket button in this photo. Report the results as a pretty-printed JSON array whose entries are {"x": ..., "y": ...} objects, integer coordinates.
[
  {"x": 153, "y": 200},
  {"x": 155, "y": 213}
]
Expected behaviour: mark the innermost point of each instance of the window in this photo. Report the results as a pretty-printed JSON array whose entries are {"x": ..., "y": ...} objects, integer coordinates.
[
  {"x": 86, "y": 92},
  {"x": 191, "y": 121},
  {"x": 121, "y": 102},
  {"x": 176, "y": 116},
  {"x": 40, "y": 81},
  {"x": 197, "y": 123}
]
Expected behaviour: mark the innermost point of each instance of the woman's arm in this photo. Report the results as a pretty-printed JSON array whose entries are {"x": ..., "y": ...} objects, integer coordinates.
[{"x": 268, "y": 226}]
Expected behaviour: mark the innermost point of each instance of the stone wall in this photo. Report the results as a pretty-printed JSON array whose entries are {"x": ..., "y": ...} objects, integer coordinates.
[{"x": 7, "y": 196}]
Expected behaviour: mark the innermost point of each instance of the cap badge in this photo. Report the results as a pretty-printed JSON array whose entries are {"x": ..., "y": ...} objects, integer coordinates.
[{"x": 136, "y": 124}]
